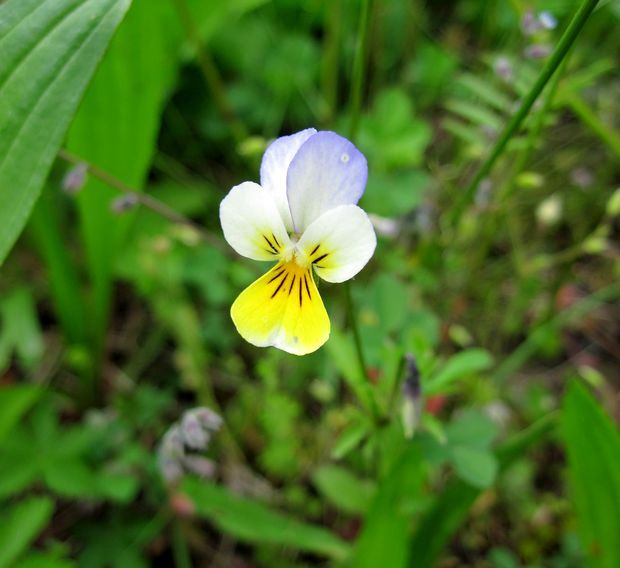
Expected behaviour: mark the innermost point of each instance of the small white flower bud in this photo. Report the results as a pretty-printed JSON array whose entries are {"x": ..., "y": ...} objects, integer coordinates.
[
  {"x": 124, "y": 203},
  {"x": 75, "y": 179}
]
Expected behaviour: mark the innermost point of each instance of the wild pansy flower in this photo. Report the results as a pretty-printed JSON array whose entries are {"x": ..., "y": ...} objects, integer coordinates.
[{"x": 304, "y": 216}]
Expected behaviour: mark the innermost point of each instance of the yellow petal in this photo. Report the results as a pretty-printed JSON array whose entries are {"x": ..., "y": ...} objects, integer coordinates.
[{"x": 283, "y": 309}]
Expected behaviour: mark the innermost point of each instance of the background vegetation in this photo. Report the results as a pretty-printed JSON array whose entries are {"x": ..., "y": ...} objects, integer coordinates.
[{"x": 492, "y": 132}]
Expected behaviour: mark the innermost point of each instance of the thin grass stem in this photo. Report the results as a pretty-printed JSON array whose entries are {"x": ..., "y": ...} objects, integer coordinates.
[
  {"x": 359, "y": 69},
  {"x": 560, "y": 52},
  {"x": 143, "y": 199}
]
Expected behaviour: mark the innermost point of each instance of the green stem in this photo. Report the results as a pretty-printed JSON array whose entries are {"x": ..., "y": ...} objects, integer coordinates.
[
  {"x": 331, "y": 49},
  {"x": 505, "y": 192},
  {"x": 180, "y": 550},
  {"x": 363, "y": 389},
  {"x": 558, "y": 55},
  {"x": 210, "y": 72},
  {"x": 144, "y": 199},
  {"x": 359, "y": 68},
  {"x": 355, "y": 329}
]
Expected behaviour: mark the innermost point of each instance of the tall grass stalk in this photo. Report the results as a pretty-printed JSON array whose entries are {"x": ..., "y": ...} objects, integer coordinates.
[
  {"x": 355, "y": 106},
  {"x": 560, "y": 52}
]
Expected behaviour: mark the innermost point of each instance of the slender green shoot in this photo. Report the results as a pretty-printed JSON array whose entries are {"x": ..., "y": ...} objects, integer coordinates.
[
  {"x": 359, "y": 69},
  {"x": 560, "y": 52}
]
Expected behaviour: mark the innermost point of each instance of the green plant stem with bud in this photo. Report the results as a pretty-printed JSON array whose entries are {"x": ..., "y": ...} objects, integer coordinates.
[
  {"x": 560, "y": 52},
  {"x": 180, "y": 550}
]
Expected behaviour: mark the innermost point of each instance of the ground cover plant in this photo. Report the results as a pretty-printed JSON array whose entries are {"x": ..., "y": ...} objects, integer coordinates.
[{"x": 443, "y": 389}]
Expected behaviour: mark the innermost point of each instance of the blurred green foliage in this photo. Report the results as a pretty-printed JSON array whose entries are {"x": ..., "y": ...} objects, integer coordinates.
[{"x": 115, "y": 317}]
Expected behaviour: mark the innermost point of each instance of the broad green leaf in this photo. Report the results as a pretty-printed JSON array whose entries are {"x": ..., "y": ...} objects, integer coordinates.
[
  {"x": 477, "y": 467},
  {"x": 17, "y": 473},
  {"x": 471, "y": 428},
  {"x": 70, "y": 477},
  {"x": 15, "y": 402},
  {"x": 391, "y": 135},
  {"x": 345, "y": 490},
  {"x": 254, "y": 522},
  {"x": 593, "y": 446},
  {"x": 461, "y": 365},
  {"x": 385, "y": 536},
  {"x": 49, "y": 49},
  {"x": 20, "y": 525}
]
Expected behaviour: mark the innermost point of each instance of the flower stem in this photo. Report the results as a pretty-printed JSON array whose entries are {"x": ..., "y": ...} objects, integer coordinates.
[
  {"x": 363, "y": 388},
  {"x": 558, "y": 55},
  {"x": 180, "y": 550},
  {"x": 143, "y": 199},
  {"x": 331, "y": 48},
  {"x": 356, "y": 332},
  {"x": 359, "y": 68}
]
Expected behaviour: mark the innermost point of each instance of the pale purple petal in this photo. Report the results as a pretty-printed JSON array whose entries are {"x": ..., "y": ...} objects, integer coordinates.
[
  {"x": 326, "y": 172},
  {"x": 274, "y": 166}
]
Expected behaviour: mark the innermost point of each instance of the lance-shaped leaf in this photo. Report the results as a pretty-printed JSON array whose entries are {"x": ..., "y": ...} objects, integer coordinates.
[{"x": 48, "y": 52}]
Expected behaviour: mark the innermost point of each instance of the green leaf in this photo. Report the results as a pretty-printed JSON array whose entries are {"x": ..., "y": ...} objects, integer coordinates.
[
  {"x": 471, "y": 428},
  {"x": 20, "y": 526},
  {"x": 593, "y": 446},
  {"x": 385, "y": 536},
  {"x": 349, "y": 439},
  {"x": 461, "y": 365},
  {"x": 20, "y": 329},
  {"x": 254, "y": 522},
  {"x": 477, "y": 467},
  {"x": 391, "y": 135},
  {"x": 70, "y": 477},
  {"x": 345, "y": 490},
  {"x": 15, "y": 402},
  {"x": 49, "y": 51},
  {"x": 17, "y": 473},
  {"x": 37, "y": 560}
]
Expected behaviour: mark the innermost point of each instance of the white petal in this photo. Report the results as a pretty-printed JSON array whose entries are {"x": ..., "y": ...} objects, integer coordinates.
[
  {"x": 274, "y": 166},
  {"x": 327, "y": 171},
  {"x": 252, "y": 224},
  {"x": 339, "y": 243}
]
